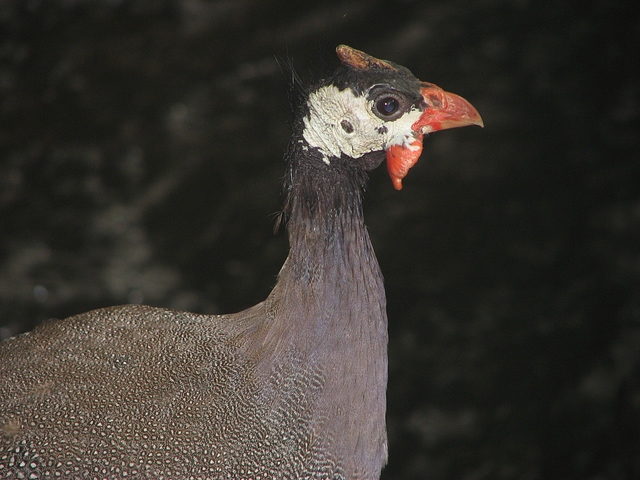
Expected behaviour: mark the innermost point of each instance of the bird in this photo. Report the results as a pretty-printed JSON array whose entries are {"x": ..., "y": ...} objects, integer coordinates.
[{"x": 291, "y": 388}]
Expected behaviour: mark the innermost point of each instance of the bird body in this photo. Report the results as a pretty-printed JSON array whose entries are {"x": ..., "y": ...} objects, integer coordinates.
[{"x": 292, "y": 388}]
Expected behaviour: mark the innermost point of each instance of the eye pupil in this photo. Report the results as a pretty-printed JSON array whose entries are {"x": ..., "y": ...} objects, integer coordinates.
[{"x": 388, "y": 105}]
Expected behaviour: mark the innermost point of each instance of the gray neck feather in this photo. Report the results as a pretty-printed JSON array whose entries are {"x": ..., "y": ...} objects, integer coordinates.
[{"x": 329, "y": 306}]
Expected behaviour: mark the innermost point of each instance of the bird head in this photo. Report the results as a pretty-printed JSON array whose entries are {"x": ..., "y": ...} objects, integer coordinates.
[{"x": 371, "y": 105}]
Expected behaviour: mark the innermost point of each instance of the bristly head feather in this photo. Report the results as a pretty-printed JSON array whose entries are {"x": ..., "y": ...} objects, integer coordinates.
[{"x": 297, "y": 91}]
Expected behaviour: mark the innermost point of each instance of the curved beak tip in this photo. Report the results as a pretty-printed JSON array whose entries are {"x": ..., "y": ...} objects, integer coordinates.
[{"x": 477, "y": 121}]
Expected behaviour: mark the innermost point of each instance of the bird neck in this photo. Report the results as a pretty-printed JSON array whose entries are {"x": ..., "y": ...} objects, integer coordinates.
[
  {"x": 331, "y": 257},
  {"x": 329, "y": 304}
]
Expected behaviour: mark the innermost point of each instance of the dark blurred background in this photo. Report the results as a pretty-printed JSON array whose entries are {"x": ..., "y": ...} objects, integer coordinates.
[{"x": 141, "y": 152}]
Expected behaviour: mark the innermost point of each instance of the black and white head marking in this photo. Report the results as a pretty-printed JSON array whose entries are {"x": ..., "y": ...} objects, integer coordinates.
[{"x": 343, "y": 122}]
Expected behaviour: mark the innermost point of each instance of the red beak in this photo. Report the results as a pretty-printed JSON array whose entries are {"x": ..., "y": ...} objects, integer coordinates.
[{"x": 444, "y": 110}]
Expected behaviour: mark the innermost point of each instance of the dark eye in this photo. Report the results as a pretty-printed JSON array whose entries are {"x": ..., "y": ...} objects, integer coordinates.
[{"x": 389, "y": 105}]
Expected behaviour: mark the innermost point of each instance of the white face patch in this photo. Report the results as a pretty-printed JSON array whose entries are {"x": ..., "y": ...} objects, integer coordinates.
[{"x": 341, "y": 122}]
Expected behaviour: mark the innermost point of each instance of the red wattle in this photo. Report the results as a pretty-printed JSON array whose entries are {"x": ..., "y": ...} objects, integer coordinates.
[{"x": 400, "y": 158}]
